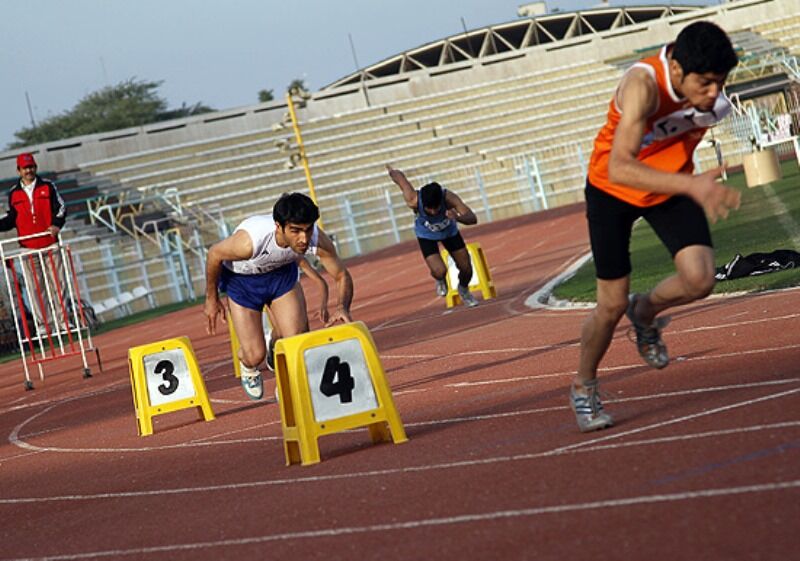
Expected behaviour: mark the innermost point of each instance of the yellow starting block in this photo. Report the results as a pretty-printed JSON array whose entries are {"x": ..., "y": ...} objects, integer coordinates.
[
  {"x": 332, "y": 380},
  {"x": 481, "y": 277},
  {"x": 237, "y": 368},
  {"x": 165, "y": 378}
]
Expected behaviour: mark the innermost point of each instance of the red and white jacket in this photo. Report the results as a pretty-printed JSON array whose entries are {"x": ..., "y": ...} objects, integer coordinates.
[{"x": 32, "y": 217}]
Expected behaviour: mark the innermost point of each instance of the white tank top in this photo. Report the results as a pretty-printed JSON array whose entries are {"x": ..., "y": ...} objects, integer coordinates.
[{"x": 267, "y": 254}]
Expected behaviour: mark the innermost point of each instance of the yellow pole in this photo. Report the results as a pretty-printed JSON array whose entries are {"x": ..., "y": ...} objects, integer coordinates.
[{"x": 302, "y": 149}]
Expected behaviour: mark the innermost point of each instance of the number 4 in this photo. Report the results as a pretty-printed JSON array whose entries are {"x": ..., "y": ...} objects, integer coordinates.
[{"x": 343, "y": 384}]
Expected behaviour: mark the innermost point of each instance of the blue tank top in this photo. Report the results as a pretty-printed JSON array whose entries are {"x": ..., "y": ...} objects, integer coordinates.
[{"x": 436, "y": 227}]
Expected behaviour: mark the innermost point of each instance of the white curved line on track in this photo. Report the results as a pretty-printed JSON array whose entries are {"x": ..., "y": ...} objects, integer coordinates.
[{"x": 583, "y": 446}]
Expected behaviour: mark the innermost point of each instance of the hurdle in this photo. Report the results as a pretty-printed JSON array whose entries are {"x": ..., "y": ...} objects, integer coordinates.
[{"x": 58, "y": 327}]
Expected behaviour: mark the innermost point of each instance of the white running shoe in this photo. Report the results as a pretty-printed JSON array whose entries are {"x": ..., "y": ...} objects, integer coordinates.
[
  {"x": 252, "y": 382},
  {"x": 466, "y": 296},
  {"x": 441, "y": 288}
]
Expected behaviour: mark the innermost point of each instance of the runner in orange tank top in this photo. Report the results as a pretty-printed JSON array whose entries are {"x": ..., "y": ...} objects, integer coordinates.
[{"x": 642, "y": 166}]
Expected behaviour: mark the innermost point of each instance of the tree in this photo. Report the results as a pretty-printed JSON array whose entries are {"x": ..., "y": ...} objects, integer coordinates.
[
  {"x": 298, "y": 83},
  {"x": 130, "y": 103},
  {"x": 265, "y": 95}
]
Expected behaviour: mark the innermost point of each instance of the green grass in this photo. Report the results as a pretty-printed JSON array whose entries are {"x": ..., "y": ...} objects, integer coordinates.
[{"x": 753, "y": 228}]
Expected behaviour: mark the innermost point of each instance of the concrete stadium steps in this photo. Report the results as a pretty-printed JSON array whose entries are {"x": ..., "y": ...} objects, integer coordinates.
[
  {"x": 157, "y": 154},
  {"x": 784, "y": 32},
  {"x": 523, "y": 88}
]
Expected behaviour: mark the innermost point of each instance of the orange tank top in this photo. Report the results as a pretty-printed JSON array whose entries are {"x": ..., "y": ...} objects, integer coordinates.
[{"x": 671, "y": 135}]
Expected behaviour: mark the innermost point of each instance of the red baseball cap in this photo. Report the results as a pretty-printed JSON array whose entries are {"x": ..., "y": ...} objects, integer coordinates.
[{"x": 25, "y": 160}]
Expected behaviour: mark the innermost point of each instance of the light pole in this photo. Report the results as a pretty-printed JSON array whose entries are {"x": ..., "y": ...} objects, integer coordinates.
[{"x": 301, "y": 150}]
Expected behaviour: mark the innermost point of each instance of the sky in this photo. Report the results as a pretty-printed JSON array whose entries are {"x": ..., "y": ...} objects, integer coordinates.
[{"x": 218, "y": 52}]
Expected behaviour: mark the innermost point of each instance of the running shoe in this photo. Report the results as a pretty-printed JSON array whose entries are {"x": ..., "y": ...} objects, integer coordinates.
[
  {"x": 441, "y": 288},
  {"x": 467, "y": 297},
  {"x": 648, "y": 337},
  {"x": 588, "y": 408},
  {"x": 252, "y": 382}
]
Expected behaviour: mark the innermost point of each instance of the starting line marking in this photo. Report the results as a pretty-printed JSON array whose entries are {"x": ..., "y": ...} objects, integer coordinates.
[{"x": 443, "y": 521}]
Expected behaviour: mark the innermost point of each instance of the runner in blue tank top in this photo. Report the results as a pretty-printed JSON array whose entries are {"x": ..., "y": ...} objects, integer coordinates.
[{"x": 438, "y": 213}]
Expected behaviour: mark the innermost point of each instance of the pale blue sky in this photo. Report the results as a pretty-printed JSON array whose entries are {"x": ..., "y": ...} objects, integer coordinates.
[{"x": 218, "y": 52}]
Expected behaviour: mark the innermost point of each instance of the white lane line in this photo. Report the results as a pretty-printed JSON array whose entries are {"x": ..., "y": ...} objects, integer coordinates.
[
  {"x": 226, "y": 433},
  {"x": 735, "y": 324},
  {"x": 401, "y": 392},
  {"x": 22, "y": 455},
  {"x": 559, "y": 346},
  {"x": 618, "y": 367},
  {"x": 391, "y": 471},
  {"x": 441, "y": 521},
  {"x": 687, "y": 437},
  {"x": 678, "y": 420},
  {"x": 616, "y": 400}
]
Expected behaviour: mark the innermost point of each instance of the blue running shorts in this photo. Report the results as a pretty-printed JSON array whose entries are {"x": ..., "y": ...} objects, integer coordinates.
[{"x": 256, "y": 291}]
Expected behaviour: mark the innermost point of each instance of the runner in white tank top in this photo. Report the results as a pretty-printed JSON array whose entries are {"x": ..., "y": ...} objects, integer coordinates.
[{"x": 257, "y": 266}]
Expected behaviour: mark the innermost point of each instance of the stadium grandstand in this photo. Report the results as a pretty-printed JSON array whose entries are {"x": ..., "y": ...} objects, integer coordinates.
[{"x": 504, "y": 115}]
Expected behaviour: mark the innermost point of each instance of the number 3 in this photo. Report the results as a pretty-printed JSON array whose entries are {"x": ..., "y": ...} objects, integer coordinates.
[{"x": 166, "y": 369}]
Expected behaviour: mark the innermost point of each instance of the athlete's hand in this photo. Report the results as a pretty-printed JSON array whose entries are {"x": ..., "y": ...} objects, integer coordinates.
[
  {"x": 715, "y": 198},
  {"x": 395, "y": 174},
  {"x": 451, "y": 214},
  {"x": 213, "y": 309},
  {"x": 339, "y": 316}
]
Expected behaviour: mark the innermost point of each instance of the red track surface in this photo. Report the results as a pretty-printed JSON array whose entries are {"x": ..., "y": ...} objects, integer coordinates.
[{"x": 704, "y": 462}]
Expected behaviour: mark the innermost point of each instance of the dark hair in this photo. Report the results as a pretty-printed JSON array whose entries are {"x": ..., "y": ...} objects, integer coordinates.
[
  {"x": 296, "y": 208},
  {"x": 431, "y": 195},
  {"x": 703, "y": 47}
]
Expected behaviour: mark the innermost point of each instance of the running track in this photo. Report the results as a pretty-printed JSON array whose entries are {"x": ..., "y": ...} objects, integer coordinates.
[{"x": 704, "y": 462}]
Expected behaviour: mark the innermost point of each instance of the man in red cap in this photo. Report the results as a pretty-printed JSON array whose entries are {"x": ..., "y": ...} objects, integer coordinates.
[{"x": 35, "y": 207}]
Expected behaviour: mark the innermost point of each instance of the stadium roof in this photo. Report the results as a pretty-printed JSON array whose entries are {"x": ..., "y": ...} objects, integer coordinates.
[{"x": 513, "y": 36}]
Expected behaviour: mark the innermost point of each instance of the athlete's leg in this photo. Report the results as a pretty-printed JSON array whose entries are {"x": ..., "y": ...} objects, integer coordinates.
[
  {"x": 430, "y": 252},
  {"x": 458, "y": 250},
  {"x": 682, "y": 226},
  {"x": 693, "y": 280},
  {"x": 247, "y": 323},
  {"x": 598, "y": 328},
  {"x": 289, "y": 313}
]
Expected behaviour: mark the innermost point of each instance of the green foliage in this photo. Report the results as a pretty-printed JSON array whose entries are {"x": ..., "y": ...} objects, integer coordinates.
[
  {"x": 130, "y": 103},
  {"x": 297, "y": 83},
  {"x": 265, "y": 95},
  {"x": 753, "y": 228}
]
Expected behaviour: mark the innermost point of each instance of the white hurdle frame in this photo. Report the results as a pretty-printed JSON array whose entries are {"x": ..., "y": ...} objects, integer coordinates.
[{"x": 50, "y": 301}]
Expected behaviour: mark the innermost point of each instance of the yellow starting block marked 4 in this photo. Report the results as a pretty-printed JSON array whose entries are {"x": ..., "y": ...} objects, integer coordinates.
[
  {"x": 481, "y": 277},
  {"x": 165, "y": 378},
  {"x": 267, "y": 326},
  {"x": 332, "y": 380}
]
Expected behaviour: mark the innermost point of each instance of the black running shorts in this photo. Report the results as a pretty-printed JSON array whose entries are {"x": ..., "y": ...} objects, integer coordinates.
[
  {"x": 451, "y": 244},
  {"x": 679, "y": 222}
]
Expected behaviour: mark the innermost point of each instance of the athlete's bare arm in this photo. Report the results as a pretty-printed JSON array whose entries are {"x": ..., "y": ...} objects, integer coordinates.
[
  {"x": 344, "y": 282},
  {"x": 409, "y": 193},
  {"x": 312, "y": 274},
  {"x": 637, "y": 98},
  {"x": 458, "y": 210},
  {"x": 236, "y": 247}
]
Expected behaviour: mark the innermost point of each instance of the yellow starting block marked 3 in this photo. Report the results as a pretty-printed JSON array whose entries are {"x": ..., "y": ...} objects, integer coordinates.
[
  {"x": 481, "y": 277},
  {"x": 267, "y": 326},
  {"x": 165, "y": 378},
  {"x": 332, "y": 380}
]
